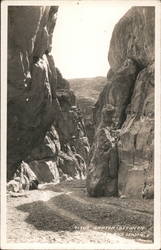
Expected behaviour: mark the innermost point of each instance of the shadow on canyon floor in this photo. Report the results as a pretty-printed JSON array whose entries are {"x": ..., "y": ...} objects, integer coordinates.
[{"x": 68, "y": 211}]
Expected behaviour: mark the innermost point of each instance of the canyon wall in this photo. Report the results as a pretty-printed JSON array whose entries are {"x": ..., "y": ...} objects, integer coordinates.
[
  {"x": 45, "y": 130},
  {"x": 121, "y": 158}
]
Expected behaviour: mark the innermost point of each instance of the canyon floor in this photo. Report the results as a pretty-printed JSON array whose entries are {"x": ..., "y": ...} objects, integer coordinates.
[{"x": 64, "y": 213}]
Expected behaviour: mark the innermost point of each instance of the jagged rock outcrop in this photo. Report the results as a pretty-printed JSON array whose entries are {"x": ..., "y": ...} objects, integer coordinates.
[
  {"x": 43, "y": 119},
  {"x": 130, "y": 89}
]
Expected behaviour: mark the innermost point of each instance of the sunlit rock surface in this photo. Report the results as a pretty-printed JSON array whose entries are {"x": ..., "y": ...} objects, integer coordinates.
[
  {"x": 130, "y": 89},
  {"x": 43, "y": 119}
]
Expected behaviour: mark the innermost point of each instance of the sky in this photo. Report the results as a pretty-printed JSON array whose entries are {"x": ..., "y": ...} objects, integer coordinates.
[{"x": 82, "y": 36}]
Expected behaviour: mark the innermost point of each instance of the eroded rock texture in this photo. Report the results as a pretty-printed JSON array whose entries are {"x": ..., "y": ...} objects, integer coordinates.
[
  {"x": 45, "y": 128},
  {"x": 103, "y": 169},
  {"x": 130, "y": 89}
]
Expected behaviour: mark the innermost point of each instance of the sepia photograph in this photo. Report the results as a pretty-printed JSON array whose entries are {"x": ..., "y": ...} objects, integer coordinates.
[{"x": 80, "y": 124}]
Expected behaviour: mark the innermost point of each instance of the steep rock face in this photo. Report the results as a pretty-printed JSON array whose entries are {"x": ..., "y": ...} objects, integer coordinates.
[
  {"x": 29, "y": 90},
  {"x": 118, "y": 91},
  {"x": 130, "y": 89},
  {"x": 40, "y": 101},
  {"x": 133, "y": 37}
]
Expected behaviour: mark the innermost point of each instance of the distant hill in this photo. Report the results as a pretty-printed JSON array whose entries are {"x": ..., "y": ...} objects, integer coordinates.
[{"x": 88, "y": 87}]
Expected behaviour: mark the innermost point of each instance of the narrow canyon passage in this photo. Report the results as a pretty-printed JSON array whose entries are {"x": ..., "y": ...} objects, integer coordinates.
[{"x": 80, "y": 151}]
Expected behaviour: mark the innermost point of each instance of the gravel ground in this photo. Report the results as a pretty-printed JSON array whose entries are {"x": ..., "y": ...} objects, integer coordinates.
[{"x": 65, "y": 214}]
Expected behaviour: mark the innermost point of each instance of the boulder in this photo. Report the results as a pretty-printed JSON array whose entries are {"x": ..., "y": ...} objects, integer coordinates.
[
  {"x": 45, "y": 170},
  {"x": 13, "y": 186}
]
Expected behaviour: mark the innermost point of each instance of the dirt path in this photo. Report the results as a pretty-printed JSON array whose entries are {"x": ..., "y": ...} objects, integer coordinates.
[{"x": 65, "y": 214}]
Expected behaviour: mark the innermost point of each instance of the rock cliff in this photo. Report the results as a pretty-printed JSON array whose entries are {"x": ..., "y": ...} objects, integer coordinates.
[
  {"x": 130, "y": 91},
  {"x": 45, "y": 129}
]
